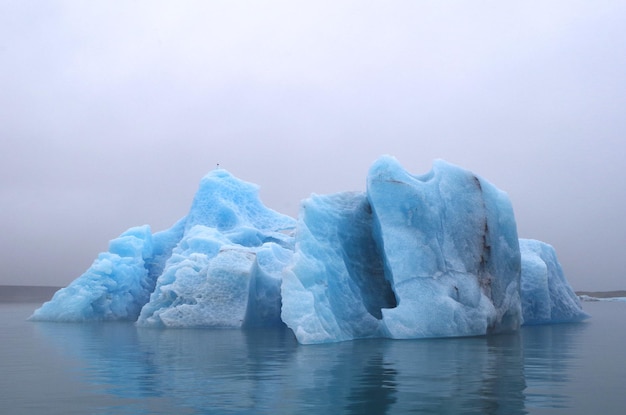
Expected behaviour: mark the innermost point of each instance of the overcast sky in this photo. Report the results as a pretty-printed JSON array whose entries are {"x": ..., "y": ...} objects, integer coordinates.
[{"x": 112, "y": 111}]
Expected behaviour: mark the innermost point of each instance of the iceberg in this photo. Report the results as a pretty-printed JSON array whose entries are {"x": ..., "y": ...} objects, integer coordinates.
[
  {"x": 226, "y": 269},
  {"x": 336, "y": 287},
  {"x": 413, "y": 256},
  {"x": 546, "y": 295},
  {"x": 217, "y": 267},
  {"x": 118, "y": 283},
  {"x": 416, "y": 256}
]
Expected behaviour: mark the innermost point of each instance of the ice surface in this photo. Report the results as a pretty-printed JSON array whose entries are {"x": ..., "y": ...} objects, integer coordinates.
[
  {"x": 413, "y": 256},
  {"x": 546, "y": 295},
  {"x": 449, "y": 243},
  {"x": 118, "y": 283},
  {"x": 441, "y": 250},
  {"x": 225, "y": 271},
  {"x": 336, "y": 288},
  {"x": 219, "y": 266}
]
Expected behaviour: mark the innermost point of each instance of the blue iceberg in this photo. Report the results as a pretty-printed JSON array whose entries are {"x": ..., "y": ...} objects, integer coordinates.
[
  {"x": 336, "y": 288},
  {"x": 118, "y": 283},
  {"x": 416, "y": 256},
  {"x": 413, "y": 256},
  {"x": 546, "y": 295},
  {"x": 217, "y": 267},
  {"x": 226, "y": 269}
]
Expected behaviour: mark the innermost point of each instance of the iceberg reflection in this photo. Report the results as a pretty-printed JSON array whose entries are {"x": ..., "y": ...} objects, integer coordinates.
[{"x": 266, "y": 371}]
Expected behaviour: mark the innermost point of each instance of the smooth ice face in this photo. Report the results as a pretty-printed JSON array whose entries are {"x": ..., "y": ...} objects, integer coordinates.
[
  {"x": 546, "y": 295},
  {"x": 225, "y": 271},
  {"x": 118, "y": 283},
  {"x": 336, "y": 288},
  {"x": 416, "y": 256},
  {"x": 449, "y": 244}
]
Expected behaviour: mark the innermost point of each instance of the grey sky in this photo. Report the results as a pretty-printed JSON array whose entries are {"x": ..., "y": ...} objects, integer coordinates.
[{"x": 112, "y": 111}]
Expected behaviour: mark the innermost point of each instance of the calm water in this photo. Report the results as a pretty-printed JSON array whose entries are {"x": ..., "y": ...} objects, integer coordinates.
[{"x": 112, "y": 368}]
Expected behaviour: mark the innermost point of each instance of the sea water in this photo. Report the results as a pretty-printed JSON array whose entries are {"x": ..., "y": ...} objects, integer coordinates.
[{"x": 117, "y": 368}]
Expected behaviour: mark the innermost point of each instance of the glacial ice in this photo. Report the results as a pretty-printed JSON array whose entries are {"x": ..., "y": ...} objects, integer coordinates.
[
  {"x": 118, "y": 283},
  {"x": 416, "y": 256},
  {"x": 336, "y": 288},
  {"x": 450, "y": 249},
  {"x": 546, "y": 295},
  {"x": 219, "y": 266},
  {"x": 225, "y": 271},
  {"x": 413, "y": 256}
]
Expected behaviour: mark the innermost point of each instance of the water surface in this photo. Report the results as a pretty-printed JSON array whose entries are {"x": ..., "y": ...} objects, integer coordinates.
[{"x": 117, "y": 368}]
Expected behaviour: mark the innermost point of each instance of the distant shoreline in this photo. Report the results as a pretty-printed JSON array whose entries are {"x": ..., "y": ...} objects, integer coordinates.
[
  {"x": 24, "y": 293},
  {"x": 602, "y": 294}
]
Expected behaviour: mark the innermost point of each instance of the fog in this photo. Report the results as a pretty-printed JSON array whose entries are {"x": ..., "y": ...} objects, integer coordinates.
[{"x": 113, "y": 111}]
